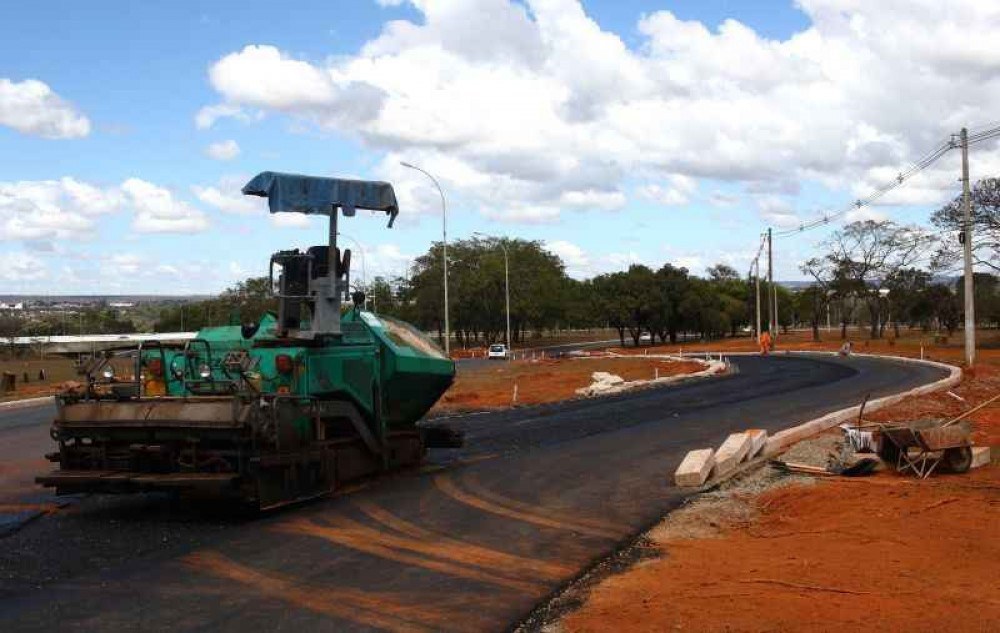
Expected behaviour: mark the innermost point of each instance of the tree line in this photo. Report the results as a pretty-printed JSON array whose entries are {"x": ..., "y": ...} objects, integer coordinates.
[{"x": 879, "y": 274}]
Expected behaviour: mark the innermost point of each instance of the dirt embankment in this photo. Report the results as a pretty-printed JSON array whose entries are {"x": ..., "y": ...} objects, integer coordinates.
[
  {"x": 886, "y": 552},
  {"x": 492, "y": 385}
]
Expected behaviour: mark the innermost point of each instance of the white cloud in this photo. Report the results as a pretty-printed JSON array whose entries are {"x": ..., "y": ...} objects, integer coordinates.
[
  {"x": 52, "y": 209},
  {"x": 386, "y": 260},
  {"x": 120, "y": 264},
  {"x": 226, "y": 197},
  {"x": 722, "y": 199},
  {"x": 223, "y": 150},
  {"x": 42, "y": 210},
  {"x": 31, "y": 107},
  {"x": 157, "y": 211},
  {"x": 576, "y": 260},
  {"x": 291, "y": 220},
  {"x": 534, "y": 103},
  {"x": 265, "y": 77},
  {"x": 22, "y": 267},
  {"x": 208, "y": 115},
  {"x": 571, "y": 254},
  {"x": 676, "y": 192},
  {"x": 523, "y": 215},
  {"x": 777, "y": 212}
]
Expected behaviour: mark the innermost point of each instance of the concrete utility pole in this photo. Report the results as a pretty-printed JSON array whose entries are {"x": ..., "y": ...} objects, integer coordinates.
[
  {"x": 970, "y": 303},
  {"x": 757, "y": 283},
  {"x": 444, "y": 254},
  {"x": 772, "y": 301}
]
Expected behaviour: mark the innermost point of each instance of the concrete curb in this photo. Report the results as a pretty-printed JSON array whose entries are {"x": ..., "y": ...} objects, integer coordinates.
[
  {"x": 783, "y": 439},
  {"x": 27, "y": 403}
]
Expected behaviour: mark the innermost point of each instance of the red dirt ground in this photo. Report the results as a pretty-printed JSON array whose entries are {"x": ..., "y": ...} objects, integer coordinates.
[
  {"x": 881, "y": 553},
  {"x": 492, "y": 386}
]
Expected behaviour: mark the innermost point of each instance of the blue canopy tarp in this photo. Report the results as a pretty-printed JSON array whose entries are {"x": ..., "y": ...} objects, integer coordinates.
[{"x": 321, "y": 196}]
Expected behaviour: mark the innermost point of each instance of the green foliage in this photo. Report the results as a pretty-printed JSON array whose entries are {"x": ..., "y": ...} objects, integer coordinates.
[
  {"x": 246, "y": 301},
  {"x": 541, "y": 295}
]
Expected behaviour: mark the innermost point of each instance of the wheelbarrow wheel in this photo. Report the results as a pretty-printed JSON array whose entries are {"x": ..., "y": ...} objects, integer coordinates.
[{"x": 958, "y": 460}]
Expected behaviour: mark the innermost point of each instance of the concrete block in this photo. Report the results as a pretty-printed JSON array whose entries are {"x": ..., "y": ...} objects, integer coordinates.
[
  {"x": 695, "y": 468},
  {"x": 731, "y": 453},
  {"x": 980, "y": 456},
  {"x": 758, "y": 437}
]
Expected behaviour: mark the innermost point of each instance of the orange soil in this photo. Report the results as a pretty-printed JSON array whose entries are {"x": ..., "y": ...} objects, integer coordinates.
[
  {"x": 886, "y": 552},
  {"x": 909, "y": 343},
  {"x": 492, "y": 386}
]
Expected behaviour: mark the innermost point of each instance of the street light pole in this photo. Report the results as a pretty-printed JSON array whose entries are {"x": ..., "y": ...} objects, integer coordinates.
[
  {"x": 444, "y": 254},
  {"x": 506, "y": 284}
]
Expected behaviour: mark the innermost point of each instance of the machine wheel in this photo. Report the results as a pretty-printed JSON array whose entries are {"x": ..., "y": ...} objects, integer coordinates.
[{"x": 958, "y": 460}]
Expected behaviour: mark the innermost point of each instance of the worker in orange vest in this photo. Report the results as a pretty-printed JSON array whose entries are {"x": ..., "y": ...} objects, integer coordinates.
[{"x": 765, "y": 343}]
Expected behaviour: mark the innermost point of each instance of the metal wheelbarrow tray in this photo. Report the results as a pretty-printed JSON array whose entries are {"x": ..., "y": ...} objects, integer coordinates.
[{"x": 921, "y": 446}]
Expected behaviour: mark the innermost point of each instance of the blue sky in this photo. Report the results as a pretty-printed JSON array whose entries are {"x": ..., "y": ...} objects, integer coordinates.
[{"x": 613, "y": 131}]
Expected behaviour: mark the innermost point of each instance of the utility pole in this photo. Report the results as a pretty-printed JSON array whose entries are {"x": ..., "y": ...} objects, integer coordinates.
[
  {"x": 772, "y": 304},
  {"x": 970, "y": 303},
  {"x": 757, "y": 283}
]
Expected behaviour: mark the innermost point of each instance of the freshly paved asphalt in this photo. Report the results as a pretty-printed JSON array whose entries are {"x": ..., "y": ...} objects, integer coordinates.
[{"x": 472, "y": 544}]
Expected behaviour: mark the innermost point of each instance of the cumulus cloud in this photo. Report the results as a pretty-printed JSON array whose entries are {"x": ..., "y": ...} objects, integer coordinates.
[
  {"x": 52, "y": 209},
  {"x": 32, "y": 107},
  {"x": 576, "y": 260},
  {"x": 227, "y": 197},
  {"x": 208, "y": 115},
  {"x": 22, "y": 267},
  {"x": 778, "y": 212},
  {"x": 223, "y": 150},
  {"x": 677, "y": 191},
  {"x": 158, "y": 211},
  {"x": 123, "y": 264},
  {"x": 42, "y": 210},
  {"x": 290, "y": 220},
  {"x": 535, "y": 102}
]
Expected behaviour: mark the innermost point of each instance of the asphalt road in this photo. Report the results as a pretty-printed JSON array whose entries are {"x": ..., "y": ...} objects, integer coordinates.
[{"x": 470, "y": 544}]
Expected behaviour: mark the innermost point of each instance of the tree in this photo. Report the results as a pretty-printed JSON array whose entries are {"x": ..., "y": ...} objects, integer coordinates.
[
  {"x": 866, "y": 253},
  {"x": 606, "y": 291},
  {"x": 810, "y": 305},
  {"x": 906, "y": 287},
  {"x": 246, "y": 300},
  {"x": 538, "y": 289},
  {"x": 672, "y": 283},
  {"x": 985, "y": 203},
  {"x": 945, "y": 307}
]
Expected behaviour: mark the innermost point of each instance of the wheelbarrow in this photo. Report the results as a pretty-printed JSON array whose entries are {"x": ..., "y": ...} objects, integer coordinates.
[{"x": 921, "y": 446}]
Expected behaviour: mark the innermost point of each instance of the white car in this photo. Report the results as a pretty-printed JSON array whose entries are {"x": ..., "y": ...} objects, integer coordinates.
[{"x": 497, "y": 350}]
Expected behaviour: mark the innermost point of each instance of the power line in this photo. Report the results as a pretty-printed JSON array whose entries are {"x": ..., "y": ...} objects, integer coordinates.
[
  {"x": 923, "y": 163},
  {"x": 982, "y": 134}
]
